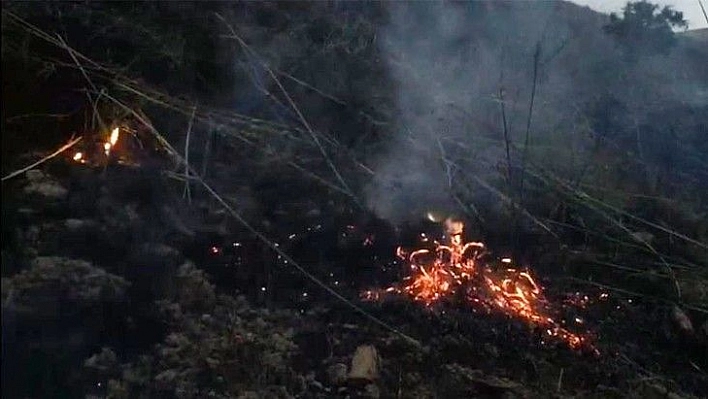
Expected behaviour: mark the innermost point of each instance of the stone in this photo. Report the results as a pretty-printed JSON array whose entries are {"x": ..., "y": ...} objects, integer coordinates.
[
  {"x": 47, "y": 189},
  {"x": 365, "y": 364}
]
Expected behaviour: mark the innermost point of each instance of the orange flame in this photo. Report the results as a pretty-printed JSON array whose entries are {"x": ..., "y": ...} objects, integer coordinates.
[
  {"x": 112, "y": 140},
  {"x": 444, "y": 270}
]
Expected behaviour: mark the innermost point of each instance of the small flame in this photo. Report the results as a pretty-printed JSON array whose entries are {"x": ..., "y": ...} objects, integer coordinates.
[
  {"x": 78, "y": 157},
  {"x": 112, "y": 140},
  {"x": 444, "y": 270},
  {"x": 114, "y": 136}
]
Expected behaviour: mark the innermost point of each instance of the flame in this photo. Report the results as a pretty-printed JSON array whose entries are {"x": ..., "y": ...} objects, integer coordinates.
[
  {"x": 458, "y": 267},
  {"x": 112, "y": 140},
  {"x": 78, "y": 157},
  {"x": 114, "y": 136}
]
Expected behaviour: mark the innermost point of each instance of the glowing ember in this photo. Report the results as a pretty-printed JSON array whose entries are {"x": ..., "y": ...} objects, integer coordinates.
[
  {"x": 79, "y": 157},
  {"x": 459, "y": 267}
]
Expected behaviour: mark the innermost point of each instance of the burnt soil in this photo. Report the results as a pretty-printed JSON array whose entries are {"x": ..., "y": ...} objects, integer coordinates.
[{"x": 209, "y": 310}]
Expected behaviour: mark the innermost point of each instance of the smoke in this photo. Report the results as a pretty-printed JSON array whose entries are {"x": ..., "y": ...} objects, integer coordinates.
[
  {"x": 446, "y": 60},
  {"x": 449, "y": 62}
]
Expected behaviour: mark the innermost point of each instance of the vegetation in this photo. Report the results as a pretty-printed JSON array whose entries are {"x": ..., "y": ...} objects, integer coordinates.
[
  {"x": 577, "y": 144},
  {"x": 643, "y": 27}
]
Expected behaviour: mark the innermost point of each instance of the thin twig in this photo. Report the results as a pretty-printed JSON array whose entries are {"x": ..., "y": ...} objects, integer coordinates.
[
  {"x": 589, "y": 204},
  {"x": 506, "y": 137},
  {"x": 536, "y": 56},
  {"x": 24, "y": 116},
  {"x": 168, "y": 102},
  {"x": 207, "y": 152},
  {"x": 449, "y": 166},
  {"x": 302, "y": 270},
  {"x": 502, "y": 104},
  {"x": 509, "y": 201},
  {"x": 276, "y": 248},
  {"x": 45, "y": 159},
  {"x": 637, "y": 294},
  {"x": 168, "y": 147},
  {"x": 69, "y": 50},
  {"x": 700, "y": 3},
  {"x": 295, "y": 108},
  {"x": 187, "y": 192}
]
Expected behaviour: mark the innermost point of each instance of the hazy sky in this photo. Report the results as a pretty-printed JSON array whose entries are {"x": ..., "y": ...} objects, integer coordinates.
[{"x": 690, "y": 8}]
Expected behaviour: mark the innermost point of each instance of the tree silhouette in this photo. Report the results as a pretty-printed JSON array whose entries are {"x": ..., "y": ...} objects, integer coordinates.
[{"x": 643, "y": 29}]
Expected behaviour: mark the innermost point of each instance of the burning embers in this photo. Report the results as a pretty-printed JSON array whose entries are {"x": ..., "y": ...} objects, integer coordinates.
[
  {"x": 465, "y": 270},
  {"x": 114, "y": 146},
  {"x": 107, "y": 145}
]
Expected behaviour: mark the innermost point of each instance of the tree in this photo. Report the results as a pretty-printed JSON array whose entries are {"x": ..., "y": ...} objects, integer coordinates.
[{"x": 643, "y": 29}]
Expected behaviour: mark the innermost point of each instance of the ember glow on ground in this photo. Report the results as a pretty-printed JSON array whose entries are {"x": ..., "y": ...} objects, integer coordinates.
[{"x": 460, "y": 268}]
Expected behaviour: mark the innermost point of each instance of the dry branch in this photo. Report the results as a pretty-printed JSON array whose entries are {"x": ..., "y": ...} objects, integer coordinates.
[{"x": 63, "y": 148}]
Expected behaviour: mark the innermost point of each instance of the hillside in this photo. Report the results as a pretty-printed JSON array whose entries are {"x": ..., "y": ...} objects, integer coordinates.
[{"x": 352, "y": 199}]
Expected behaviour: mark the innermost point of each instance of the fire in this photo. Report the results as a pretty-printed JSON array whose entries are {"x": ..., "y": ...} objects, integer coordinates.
[
  {"x": 112, "y": 140},
  {"x": 107, "y": 145},
  {"x": 457, "y": 267}
]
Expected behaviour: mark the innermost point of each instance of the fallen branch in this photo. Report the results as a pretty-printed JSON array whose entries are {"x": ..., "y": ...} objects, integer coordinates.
[{"x": 43, "y": 160}]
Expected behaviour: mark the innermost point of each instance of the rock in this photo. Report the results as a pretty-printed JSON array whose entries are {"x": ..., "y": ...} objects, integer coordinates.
[
  {"x": 337, "y": 374},
  {"x": 42, "y": 185},
  {"x": 365, "y": 364},
  {"x": 47, "y": 189}
]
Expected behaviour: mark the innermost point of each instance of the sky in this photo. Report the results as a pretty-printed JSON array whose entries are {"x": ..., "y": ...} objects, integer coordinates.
[{"x": 690, "y": 8}]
